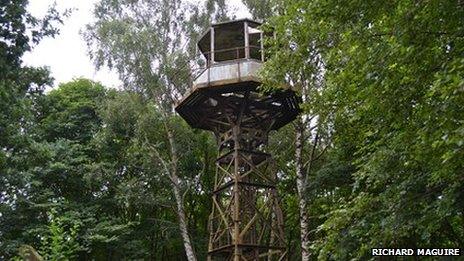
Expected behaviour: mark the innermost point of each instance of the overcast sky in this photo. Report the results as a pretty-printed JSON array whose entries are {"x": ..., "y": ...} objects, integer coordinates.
[{"x": 66, "y": 54}]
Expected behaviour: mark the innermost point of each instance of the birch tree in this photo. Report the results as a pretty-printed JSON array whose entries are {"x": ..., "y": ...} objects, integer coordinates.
[{"x": 150, "y": 44}]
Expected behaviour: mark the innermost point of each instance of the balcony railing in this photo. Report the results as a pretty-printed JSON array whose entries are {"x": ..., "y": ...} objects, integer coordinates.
[{"x": 226, "y": 56}]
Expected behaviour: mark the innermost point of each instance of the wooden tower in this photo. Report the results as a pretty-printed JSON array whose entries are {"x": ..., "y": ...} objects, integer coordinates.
[{"x": 246, "y": 222}]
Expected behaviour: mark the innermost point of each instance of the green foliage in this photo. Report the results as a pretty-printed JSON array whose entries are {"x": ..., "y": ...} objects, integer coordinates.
[
  {"x": 60, "y": 243},
  {"x": 90, "y": 159},
  {"x": 69, "y": 112},
  {"x": 260, "y": 9},
  {"x": 142, "y": 190},
  {"x": 391, "y": 87},
  {"x": 20, "y": 89},
  {"x": 151, "y": 43},
  {"x": 82, "y": 174}
]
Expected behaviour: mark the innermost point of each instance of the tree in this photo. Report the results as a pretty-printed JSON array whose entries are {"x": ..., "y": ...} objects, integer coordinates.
[
  {"x": 392, "y": 79},
  {"x": 20, "y": 86},
  {"x": 60, "y": 242},
  {"x": 89, "y": 161},
  {"x": 261, "y": 9},
  {"x": 150, "y": 44},
  {"x": 59, "y": 156},
  {"x": 306, "y": 76}
]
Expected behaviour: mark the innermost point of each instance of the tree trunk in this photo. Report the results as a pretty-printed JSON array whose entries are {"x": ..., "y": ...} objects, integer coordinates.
[
  {"x": 302, "y": 189},
  {"x": 183, "y": 223},
  {"x": 179, "y": 200}
]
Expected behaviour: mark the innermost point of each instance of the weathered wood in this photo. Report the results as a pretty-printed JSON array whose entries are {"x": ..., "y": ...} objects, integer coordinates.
[{"x": 246, "y": 222}]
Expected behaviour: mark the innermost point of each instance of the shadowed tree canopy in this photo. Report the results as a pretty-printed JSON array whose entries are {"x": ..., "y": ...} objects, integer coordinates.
[{"x": 392, "y": 89}]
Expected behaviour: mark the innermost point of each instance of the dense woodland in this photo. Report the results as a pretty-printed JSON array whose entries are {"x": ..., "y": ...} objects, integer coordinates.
[{"x": 376, "y": 158}]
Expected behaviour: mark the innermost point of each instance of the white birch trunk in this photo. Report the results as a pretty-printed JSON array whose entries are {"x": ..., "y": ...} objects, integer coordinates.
[
  {"x": 302, "y": 190},
  {"x": 183, "y": 222},
  {"x": 179, "y": 200}
]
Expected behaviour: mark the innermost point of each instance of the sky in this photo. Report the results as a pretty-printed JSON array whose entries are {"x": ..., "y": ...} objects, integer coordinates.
[{"x": 66, "y": 55}]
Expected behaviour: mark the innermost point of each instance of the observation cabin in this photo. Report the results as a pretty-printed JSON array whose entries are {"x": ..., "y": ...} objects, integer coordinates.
[{"x": 233, "y": 52}]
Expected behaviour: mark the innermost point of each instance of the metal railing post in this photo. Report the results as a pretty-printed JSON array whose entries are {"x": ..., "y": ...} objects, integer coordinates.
[
  {"x": 212, "y": 45},
  {"x": 238, "y": 64},
  {"x": 261, "y": 36},
  {"x": 247, "y": 41}
]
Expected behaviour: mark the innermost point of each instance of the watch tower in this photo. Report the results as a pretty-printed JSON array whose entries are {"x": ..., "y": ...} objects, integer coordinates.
[{"x": 246, "y": 221}]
